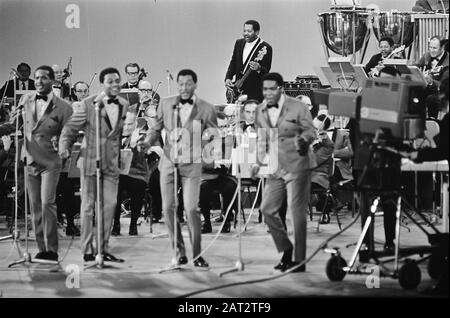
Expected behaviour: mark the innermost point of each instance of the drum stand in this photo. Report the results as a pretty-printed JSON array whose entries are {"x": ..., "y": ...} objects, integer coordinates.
[{"x": 26, "y": 259}]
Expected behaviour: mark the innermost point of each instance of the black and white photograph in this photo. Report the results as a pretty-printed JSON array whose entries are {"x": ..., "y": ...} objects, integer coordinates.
[{"x": 224, "y": 155}]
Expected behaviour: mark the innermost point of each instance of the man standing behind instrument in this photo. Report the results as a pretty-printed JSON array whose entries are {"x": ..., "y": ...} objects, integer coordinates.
[
  {"x": 60, "y": 88},
  {"x": 375, "y": 64},
  {"x": 132, "y": 71},
  {"x": 135, "y": 181},
  {"x": 147, "y": 98},
  {"x": 252, "y": 58},
  {"x": 112, "y": 119}
]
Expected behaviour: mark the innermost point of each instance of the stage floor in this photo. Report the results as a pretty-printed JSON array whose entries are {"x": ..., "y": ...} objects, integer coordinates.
[{"x": 145, "y": 255}]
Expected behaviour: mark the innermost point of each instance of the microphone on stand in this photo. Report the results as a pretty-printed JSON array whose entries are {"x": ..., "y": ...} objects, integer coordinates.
[
  {"x": 169, "y": 75},
  {"x": 14, "y": 72},
  {"x": 99, "y": 98}
]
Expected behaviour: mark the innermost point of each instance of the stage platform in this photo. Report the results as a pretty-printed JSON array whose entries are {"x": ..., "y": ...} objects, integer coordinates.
[{"x": 145, "y": 255}]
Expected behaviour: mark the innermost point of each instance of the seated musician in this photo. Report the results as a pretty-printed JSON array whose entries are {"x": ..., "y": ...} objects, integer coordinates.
[
  {"x": 60, "y": 87},
  {"x": 435, "y": 62},
  {"x": 80, "y": 91},
  {"x": 135, "y": 182},
  {"x": 24, "y": 82},
  {"x": 147, "y": 106},
  {"x": 216, "y": 177},
  {"x": 320, "y": 177},
  {"x": 375, "y": 64}
]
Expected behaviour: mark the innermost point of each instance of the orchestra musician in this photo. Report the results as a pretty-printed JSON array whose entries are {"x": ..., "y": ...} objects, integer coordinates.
[
  {"x": 434, "y": 62},
  {"x": 60, "y": 87},
  {"x": 216, "y": 176},
  {"x": 251, "y": 59},
  {"x": 193, "y": 112},
  {"x": 132, "y": 71},
  {"x": 46, "y": 115},
  {"x": 113, "y": 111},
  {"x": 135, "y": 182},
  {"x": 24, "y": 82},
  {"x": 375, "y": 64},
  {"x": 80, "y": 91}
]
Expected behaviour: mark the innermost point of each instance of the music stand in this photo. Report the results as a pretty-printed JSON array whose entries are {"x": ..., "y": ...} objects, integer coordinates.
[
  {"x": 341, "y": 74},
  {"x": 130, "y": 94}
]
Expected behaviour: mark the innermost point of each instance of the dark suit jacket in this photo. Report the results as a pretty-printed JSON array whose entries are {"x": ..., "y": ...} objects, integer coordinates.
[
  {"x": 372, "y": 62},
  {"x": 252, "y": 86},
  {"x": 41, "y": 132},
  {"x": 85, "y": 119},
  {"x": 441, "y": 67},
  {"x": 10, "y": 90},
  {"x": 203, "y": 116}
]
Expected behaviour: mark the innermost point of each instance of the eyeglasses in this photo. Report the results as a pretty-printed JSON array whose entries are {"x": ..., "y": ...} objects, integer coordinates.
[
  {"x": 133, "y": 73},
  {"x": 82, "y": 91},
  {"x": 146, "y": 90}
]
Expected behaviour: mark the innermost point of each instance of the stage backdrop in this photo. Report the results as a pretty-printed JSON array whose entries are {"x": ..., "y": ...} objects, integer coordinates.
[{"x": 163, "y": 35}]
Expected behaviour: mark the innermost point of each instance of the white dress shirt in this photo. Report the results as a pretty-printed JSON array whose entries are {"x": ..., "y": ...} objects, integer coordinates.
[
  {"x": 23, "y": 85},
  {"x": 274, "y": 113},
  {"x": 248, "y": 47},
  {"x": 185, "y": 111},
  {"x": 435, "y": 62},
  {"x": 41, "y": 105},
  {"x": 112, "y": 110}
]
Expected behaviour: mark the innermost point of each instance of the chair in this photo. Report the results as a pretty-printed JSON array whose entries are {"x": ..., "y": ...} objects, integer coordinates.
[{"x": 328, "y": 199}]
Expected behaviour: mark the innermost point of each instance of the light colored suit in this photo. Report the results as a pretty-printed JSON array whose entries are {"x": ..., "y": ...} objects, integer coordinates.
[
  {"x": 110, "y": 139},
  {"x": 343, "y": 150},
  {"x": 44, "y": 165},
  {"x": 293, "y": 177},
  {"x": 203, "y": 116}
]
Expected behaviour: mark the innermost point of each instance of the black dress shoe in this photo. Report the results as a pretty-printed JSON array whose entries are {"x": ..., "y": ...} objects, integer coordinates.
[
  {"x": 182, "y": 260},
  {"x": 72, "y": 230},
  {"x": 226, "y": 228},
  {"x": 300, "y": 269},
  {"x": 88, "y": 257},
  {"x": 115, "y": 231},
  {"x": 107, "y": 257},
  {"x": 41, "y": 255},
  {"x": 325, "y": 218},
  {"x": 206, "y": 228},
  {"x": 133, "y": 230},
  {"x": 51, "y": 256},
  {"x": 283, "y": 266},
  {"x": 200, "y": 262}
]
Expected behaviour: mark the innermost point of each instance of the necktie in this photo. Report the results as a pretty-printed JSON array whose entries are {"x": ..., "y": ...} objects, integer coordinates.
[
  {"x": 188, "y": 101},
  {"x": 274, "y": 105},
  {"x": 23, "y": 86},
  {"x": 43, "y": 97},
  {"x": 113, "y": 100}
]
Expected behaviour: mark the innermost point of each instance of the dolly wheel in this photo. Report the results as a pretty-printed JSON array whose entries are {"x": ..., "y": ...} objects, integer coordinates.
[
  {"x": 409, "y": 275},
  {"x": 334, "y": 268},
  {"x": 437, "y": 265}
]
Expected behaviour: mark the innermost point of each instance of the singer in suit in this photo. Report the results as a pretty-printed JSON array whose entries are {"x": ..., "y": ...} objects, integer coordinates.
[
  {"x": 113, "y": 111},
  {"x": 288, "y": 132},
  {"x": 45, "y": 116},
  {"x": 245, "y": 51},
  {"x": 194, "y": 116},
  {"x": 23, "y": 82}
]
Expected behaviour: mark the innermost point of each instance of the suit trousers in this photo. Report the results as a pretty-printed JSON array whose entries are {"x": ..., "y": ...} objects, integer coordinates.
[
  {"x": 42, "y": 192},
  {"x": 297, "y": 190},
  {"x": 88, "y": 203},
  {"x": 134, "y": 189},
  {"x": 191, "y": 189}
]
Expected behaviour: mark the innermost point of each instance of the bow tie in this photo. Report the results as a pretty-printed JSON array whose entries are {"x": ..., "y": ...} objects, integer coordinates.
[
  {"x": 54, "y": 86},
  {"x": 184, "y": 101},
  {"x": 132, "y": 85},
  {"x": 43, "y": 97},
  {"x": 249, "y": 125},
  {"x": 113, "y": 100},
  {"x": 274, "y": 105},
  {"x": 435, "y": 59}
]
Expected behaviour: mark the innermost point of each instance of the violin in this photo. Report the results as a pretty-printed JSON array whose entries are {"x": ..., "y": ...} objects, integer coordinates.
[
  {"x": 68, "y": 70},
  {"x": 374, "y": 72}
]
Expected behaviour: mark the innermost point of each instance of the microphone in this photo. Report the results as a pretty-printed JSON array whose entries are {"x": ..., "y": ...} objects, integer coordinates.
[
  {"x": 99, "y": 98},
  {"x": 169, "y": 75},
  {"x": 14, "y": 72},
  {"x": 24, "y": 100}
]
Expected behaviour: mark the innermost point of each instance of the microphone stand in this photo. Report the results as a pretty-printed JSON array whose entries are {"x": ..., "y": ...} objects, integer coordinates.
[
  {"x": 174, "y": 264},
  {"x": 99, "y": 261},
  {"x": 239, "y": 265},
  {"x": 26, "y": 259}
]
